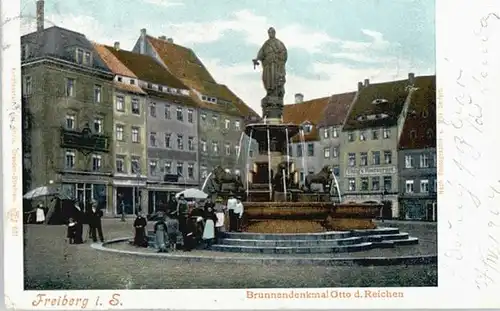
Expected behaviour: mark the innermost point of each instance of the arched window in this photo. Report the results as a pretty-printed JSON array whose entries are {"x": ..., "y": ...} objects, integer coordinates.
[{"x": 413, "y": 134}]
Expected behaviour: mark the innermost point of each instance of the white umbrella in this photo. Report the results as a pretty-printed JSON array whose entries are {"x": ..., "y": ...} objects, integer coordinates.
[
  {"x": 43, "y": 192},
  {"x": 192, "y": 193}
]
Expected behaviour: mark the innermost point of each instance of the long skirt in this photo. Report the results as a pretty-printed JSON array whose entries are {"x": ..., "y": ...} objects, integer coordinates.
[
  {"x": 161, "y": 239},
  {"x": 209, "y": 230},
  {"x": 40, "y": 215},
  {"x": 140, "y": 237}
]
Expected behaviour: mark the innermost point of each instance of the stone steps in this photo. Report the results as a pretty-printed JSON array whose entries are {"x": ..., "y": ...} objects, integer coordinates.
[{"x": 292, "y": 249}]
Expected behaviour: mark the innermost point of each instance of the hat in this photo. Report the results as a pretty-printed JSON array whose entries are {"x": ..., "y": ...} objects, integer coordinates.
[{"x": 199, "y": 219}]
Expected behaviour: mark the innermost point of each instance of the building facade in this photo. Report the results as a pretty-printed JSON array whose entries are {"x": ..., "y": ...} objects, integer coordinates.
[
  {"x": 370, "y": 139},
  {"x": 417, "y": 154},
  {"x": 68, "y": 96}
]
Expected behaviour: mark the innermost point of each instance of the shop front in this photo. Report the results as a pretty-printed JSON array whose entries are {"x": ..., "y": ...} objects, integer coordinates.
[
  {"x": 159, "y": 195},
  {"x": 84, "y": 193},
  {"x": 128, "y": 197}
]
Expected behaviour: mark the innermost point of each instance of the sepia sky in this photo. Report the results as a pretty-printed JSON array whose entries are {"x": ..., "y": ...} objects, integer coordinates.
[{"x": 332, "y": 44}]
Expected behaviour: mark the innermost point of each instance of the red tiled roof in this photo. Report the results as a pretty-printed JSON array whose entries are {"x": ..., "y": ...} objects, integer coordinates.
[
  {"x": 419, "y": 129},
  {"x": 337, "y": 109},
  {"x": 112, "y": 62},
  {"x": 395, "y": 92},
  {"x": 311, "y": 110}
]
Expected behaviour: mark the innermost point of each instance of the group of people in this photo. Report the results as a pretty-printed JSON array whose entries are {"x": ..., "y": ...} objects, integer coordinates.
[
  {"x": 92, "y": 217},
  {"x": 199, "y": 225}
]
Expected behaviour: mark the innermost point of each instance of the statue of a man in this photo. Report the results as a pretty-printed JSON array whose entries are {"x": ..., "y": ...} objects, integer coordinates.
[{"x": 273, "y": 56}]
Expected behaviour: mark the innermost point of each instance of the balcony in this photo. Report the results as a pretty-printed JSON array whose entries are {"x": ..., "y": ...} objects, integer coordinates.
[{"x": 84, "y": 140}]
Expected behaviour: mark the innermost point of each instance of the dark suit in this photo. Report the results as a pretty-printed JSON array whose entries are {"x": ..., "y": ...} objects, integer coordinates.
[{"x": 94, "y": 218}]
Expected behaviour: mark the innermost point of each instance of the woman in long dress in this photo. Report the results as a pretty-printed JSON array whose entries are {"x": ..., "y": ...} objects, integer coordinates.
[
  {"x": 140, "y": 224},
  {"x": 160, "y": 230},
  {"x": 209, "y": 229}
]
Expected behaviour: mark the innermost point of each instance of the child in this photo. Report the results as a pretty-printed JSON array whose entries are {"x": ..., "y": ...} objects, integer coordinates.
[
  {"x": 71, "y": 231},
  {"x": 172, "y": 225}
]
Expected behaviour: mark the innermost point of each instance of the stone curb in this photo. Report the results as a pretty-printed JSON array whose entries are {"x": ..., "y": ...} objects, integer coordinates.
[{"x": 366, "y": 261}]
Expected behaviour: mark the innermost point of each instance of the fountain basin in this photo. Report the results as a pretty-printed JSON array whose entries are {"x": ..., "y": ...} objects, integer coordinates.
[{"x": 307, "y": 217}]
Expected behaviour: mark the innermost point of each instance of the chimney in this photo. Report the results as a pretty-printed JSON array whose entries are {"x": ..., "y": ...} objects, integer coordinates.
[
  {"x": 162, "y": 37},
  {"x": 39, "y": 15},
  {"x": 117, "y": 46},
  {"x": 360, "y": 85},
  {"x": 367, "y": 82},
  {"x": 411, "y": 78},
  {"x": 142, "y": 45},
  {"x": 170, "y": 40},
  {"x": 299, "y": 98}
]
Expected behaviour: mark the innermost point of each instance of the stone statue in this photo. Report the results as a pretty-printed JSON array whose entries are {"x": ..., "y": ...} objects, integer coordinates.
[
  {"x": 272, "y": 56},
  {"x": 324, "y": 177}
]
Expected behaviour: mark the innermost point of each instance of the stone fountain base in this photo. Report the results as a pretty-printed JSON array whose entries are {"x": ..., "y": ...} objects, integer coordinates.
[{"x": 308, "y": 217}]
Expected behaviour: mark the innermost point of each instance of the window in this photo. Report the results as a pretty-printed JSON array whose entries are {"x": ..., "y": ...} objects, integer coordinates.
[
  {"x": 79, "y": 56},
  {"x": 132, "y": 81},
  {"x": 160, "y": 88},
  {"x": 135, "y": 166},
  {"x": 190, "y": 143},
  {"x": 363, "y": 159},
  {"x": 326, "y": 152},
  {"x": 98, "y": 125},
  {"x": 180, "y": 141},
  {"x": 119, "y": 132},
  {"x": 215, "y": 147},
  {"x": 120, "y": 103},
  {"x": 27, "y": 86},
  {"x": 290, "y": 150},
  {"x": 204, "y": 172},
  {"x": 362, "y": 136},
  {"x": 435, "y": 185},
  {"x": 70, "y": 87},
  {"x": 203, "y": 145},
  {"x": 120, "y": 164},
  {"x": 424, "y": 185},
  {"x": 180, "y": 169},
  {"x": 376, "y": 157},
  {"x": 308, "y": 128},
  {"x": 302, "y": 176},
  {"x": 430, "y": 134},
  {"x": 190, "y": 115},
  {"x": 335, "y": 132},
  {"x": 203, "y": 117},
  {"x": 376, "y": 183},
  {"x": 168, "y": 167},
  {"x": 153, "y": 164},
  {"x": 299, "y": 150},
  {"x": 97, "y": 93},
  {"x": 168, "y": 143},
  {"x": 180, "y": 114},
  {"x": 236, "y": 149},
  {"x": 150, "y": 86},
  {"x": 387, "y": 183},
  {"x": 351, "y": 184},
  {"x": 388, "y": 157},
  {"x": 425, "y": 113},
  {"x": 386, "y": 133},
  {"x": 135, "y": 106},
  {"x": 70, "y": 122},
  {"x": 424, "y": 161},
  {"x": 375, "y": 134},
  {"x": 413, "y": 134},
  {"x": 167, "y": 112},
  {"x": 227, "y": 124},
  {"x": 352, "y": 159},
  {"x": 408, "y": 161},
  {"x": 409, "y": 186},
  {"x": 237, "y": 124},
  {"x": 350, "y": 136},
  {"x": 326, "y": 133},
  {"x": 152, "y": 139},
  {"x": 87, "y": 58},
  {"x": 135, "y": 134},
  {"x": 336, "y": 170},
  {"x": 120, "y": 79},
  {"x": 364, "y": 183},
  {"x": 96, "y": 162},
  {"x": 310, "y": 150},
  {"x": 69, "y": 160},
  {"x": 191, "y": 171},
  {"x": 335, "y": 152},
  {"x": 215, "y": 120},
  {"x": 152, "y": 110},
  {"x": 250, "y": 153}
]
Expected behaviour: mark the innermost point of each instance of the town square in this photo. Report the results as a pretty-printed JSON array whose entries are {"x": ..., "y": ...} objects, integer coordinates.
[{"x": 165, "y": 162}]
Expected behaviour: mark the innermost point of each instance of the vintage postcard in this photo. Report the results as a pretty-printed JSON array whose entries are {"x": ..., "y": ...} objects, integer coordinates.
[{"x": 305, "y": 154}]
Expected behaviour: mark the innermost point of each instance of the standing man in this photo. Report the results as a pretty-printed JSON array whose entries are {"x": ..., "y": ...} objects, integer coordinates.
[
  {"x": 231, "y": 206},
  {"x": 182, "y": 214},
  {"x": 95, "y": 222},
  {"x": 78, "y": 218},
  {"x": 239, "y": 214}
]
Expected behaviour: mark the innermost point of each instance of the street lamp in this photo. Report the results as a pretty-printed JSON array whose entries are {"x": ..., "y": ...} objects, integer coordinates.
[{"x": 383, "y": 194}]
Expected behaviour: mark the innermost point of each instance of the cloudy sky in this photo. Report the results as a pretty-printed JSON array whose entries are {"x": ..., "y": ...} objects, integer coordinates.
[{"x": 332, "y": 44}]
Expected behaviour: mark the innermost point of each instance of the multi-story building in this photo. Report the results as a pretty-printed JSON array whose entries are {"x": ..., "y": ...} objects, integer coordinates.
[
  {"x": 330, "y": 128},
  {"x": 171, "y": 125},
  {"x": 417, "y": 154},
  {"x": 129, "y": 123},
  {"x": 305, "y": 150},
  {"x": 222, "y": 114},
  {"x": 370, "y": 138},
  {"x": 67, "y": 91}
]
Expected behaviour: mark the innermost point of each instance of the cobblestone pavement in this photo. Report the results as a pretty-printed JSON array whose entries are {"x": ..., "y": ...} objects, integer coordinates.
[{"x": 51, "y": 263}]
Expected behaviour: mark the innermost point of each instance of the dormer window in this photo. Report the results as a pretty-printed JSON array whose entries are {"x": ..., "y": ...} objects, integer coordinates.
[
  {"x": 132, "y": 81},
  {"x": 79, "y": 56},
  {"x": 87, "y": 58},
  {"x": 83, "y": 57},
  {"x": 413, "y": 134},
  {"x": 119, "y": 79},
  {"x": 307, "y": 127},
  {"x": 379, "y": 101},
  {"x": 160, "y": 88},
  {"x": 150, "y": 86}
]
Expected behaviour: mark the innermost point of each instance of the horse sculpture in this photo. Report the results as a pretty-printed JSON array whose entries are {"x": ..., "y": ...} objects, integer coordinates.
[
  {"x": 324, "y": 177},
  {"x": 221, "y": 177}
]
